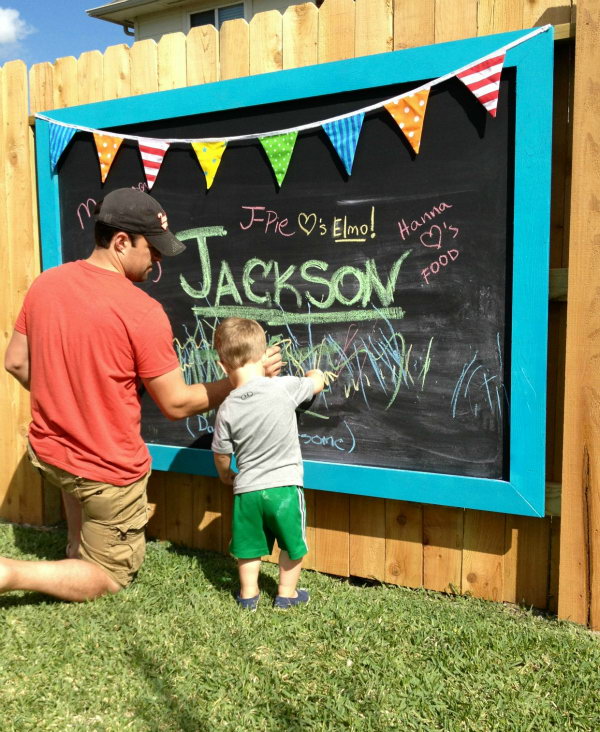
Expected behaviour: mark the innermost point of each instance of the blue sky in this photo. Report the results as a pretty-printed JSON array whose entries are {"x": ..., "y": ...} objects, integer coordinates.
[{"x": 44, "y": 30}]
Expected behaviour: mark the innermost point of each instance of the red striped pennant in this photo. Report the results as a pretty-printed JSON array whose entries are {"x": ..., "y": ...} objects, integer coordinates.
[
  {"x": 152, "y": 152},
  {"x": 483, "y": 79}
]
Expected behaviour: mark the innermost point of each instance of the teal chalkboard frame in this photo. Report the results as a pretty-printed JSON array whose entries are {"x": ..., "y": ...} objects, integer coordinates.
[{"x": 524, "y": 492}]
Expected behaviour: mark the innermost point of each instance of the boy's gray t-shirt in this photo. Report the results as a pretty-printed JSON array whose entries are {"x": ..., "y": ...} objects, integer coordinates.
[{"x": 257, "y": 422}]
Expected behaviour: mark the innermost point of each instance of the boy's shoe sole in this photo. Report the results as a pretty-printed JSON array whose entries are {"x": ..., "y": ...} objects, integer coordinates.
[
  {"x": 284, "y": 603},
  {"x": 248, "y": 603}
]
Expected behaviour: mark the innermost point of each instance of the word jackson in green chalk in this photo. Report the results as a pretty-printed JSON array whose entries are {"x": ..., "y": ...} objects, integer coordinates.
[{"x": 372, "y": 286}]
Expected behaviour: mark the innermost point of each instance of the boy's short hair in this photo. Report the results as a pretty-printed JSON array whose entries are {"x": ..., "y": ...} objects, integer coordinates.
[{"x": 239, "y": 340}]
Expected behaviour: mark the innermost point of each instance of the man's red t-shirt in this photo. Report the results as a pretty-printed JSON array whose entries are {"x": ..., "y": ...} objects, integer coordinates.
[{"x": 92, "y": 334}]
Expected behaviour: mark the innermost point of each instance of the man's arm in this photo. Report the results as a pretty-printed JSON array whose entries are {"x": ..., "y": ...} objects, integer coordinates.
[
  {"x": 177, "y": 400},
  {"x": 223, "y": 465},
  {"x": 16, "y": 358}
]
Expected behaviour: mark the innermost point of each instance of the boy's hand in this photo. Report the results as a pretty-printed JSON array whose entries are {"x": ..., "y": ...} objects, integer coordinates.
[
  {"x": 272, "y": 361},
  {"x": 223, "y": 465}
]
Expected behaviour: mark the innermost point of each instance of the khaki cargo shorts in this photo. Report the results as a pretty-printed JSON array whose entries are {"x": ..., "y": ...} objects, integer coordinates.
[{"x": 113, "y": 520}]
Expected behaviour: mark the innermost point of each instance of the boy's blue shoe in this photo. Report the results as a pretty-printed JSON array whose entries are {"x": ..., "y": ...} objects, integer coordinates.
[
  {"x": 284, "y": 603},
  {"x": 248, "y": 603}
]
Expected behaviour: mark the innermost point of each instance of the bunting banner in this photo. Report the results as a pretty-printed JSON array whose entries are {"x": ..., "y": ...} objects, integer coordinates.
[
  {"x": 60, "y": 137},
  {"x": 153, "y": 153},
  {"x": 279, "y": 149},
  {"x": 483, "y": 79},
  {"x": 107, "y": 147},
  {"x": 209, "y": 156},
  {"x": 481, "y": 76},
  {"x": 343, "y": 134},
  {"x": 409, "y": 114}
]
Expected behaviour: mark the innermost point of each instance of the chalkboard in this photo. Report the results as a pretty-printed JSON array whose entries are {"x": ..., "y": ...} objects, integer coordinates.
[{"x": 398, "y": 278}]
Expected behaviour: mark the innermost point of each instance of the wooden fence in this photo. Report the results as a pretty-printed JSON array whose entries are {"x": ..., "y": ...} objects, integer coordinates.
[{"x": 495, "y": 556}]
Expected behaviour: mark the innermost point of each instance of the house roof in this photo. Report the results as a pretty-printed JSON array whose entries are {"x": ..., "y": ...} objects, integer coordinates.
[{"x": 124, "y": 12}]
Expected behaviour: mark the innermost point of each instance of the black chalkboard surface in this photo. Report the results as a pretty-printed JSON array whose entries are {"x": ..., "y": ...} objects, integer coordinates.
[{"x": 397, "y": 278}]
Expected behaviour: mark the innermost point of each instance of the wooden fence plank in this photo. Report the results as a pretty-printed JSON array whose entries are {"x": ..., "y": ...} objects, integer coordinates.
[
  {"x": 179, "y": 508},
  {"x": 332, "y": 510},
  {"x": 172, "y": 61},
  {"x": 234, "y": 49},
  {"x": 206, "y": 511},
  {"x": 483, "y": 548},
  {"x": 367, "y": 515},
  {"x": 143, "y": 62},
  {"x": 116, "y": 82},
  {"x": 540, "y": 12},
  {"x": 66, "y": 88},
  {"x": 526, "y": 581},
  {"x": 300, "y": 35},
  {"x": 266, "y": 33},
  {"x": 442, "y": 548},
  {"x": 202, "y": 55},
  {"x": 90, "y": 77},
  {"x": 157, "y": 526},
  {"x": 414, "y": 23},
  {"x": 332, "y": 533},
  {"x": 337, "y": 24},
  {"x": 178, "y": 497},
  {"x": 404, "y": 543},
  {"x": 455, "y": 20},
  {"x": 498, "y": 16},
  {"x": 41, "y": 87},
  {"x": 367, "y": 537},
  {"x": 579, "y": 596},
  {"x": 553, "y": 579},
  {"x": 23, "y": 501},
  {"x": 374, "y": 27},
  {"x": 41, "y": 98}
]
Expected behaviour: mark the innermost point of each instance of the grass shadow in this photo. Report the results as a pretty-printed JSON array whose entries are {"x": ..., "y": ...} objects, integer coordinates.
[
  {"x": 222, "y": 571},
  {"x": 46, "y": 543}
]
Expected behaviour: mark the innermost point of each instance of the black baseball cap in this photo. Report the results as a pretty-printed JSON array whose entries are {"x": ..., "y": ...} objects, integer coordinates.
[{"x": 135, "y": 212}]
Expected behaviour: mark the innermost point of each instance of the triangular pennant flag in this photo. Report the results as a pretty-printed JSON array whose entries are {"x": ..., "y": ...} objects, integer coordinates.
[
  {"x": 343, "y": 134},
  {"x": 209, "y": 156},
  {"x": 409, "y": 113},
  {"x": 153, "y": 153},
  {"x": 279, "y": 149},
  {"x": 483, "y": 79},
  {"x": 60, "y": 137},
  {"x": 107, "y": 147}
]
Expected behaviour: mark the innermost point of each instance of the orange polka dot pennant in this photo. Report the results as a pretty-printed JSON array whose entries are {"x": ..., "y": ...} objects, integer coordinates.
[
  {"x": 409, "y": 113},
  {"x": 209, "y": 156},
  {"x": 107, "y": 147},
  {"x": 279, "y": 149}
]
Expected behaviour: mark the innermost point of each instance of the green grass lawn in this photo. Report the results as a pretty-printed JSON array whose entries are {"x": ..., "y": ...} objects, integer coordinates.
[{"x": 174, "y": 653}]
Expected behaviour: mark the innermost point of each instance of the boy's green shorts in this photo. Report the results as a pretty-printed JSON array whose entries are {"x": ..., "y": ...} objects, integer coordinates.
[{"x": 260, "y": 517}]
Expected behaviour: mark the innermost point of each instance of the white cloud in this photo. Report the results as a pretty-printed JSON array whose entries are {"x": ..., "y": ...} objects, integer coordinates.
[{"x": 13, "y": 29}]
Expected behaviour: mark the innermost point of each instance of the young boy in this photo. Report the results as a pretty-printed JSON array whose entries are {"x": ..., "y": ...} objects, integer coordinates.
[{"x": 257, "y": 422}]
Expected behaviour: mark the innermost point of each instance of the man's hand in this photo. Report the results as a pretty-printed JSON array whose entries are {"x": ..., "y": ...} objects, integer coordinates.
[{"x": 272, "y": 361}]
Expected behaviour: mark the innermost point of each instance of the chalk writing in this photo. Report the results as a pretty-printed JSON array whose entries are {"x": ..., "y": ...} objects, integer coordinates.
[
  {"x": 86, "y": 208},
  {"x": 415, "y": 224},
  {"x": 338, "y": 443},
  {"x": 269, "y": 221},
  {"x": 332, "y": 289},
  {"x": 441, "y": 261}
]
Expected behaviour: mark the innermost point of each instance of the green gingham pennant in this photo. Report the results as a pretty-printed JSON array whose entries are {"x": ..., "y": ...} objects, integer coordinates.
[{"x": 279, "y": 149}]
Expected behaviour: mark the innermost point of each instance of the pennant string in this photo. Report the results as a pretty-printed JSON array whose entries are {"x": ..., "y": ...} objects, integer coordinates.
[{"x": 320, "y": 123}]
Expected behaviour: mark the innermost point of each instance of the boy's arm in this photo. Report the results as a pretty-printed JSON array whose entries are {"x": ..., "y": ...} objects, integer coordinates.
[{"x": 223, "y": 465}]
